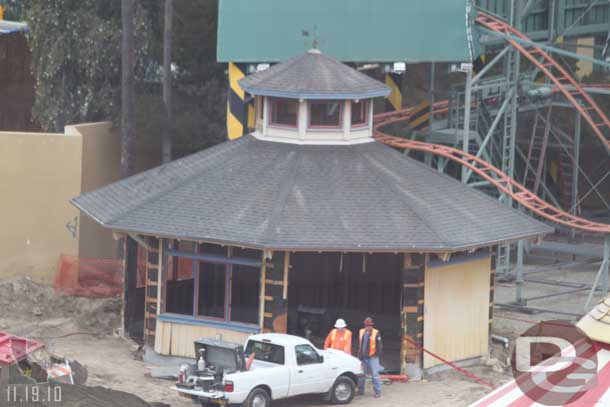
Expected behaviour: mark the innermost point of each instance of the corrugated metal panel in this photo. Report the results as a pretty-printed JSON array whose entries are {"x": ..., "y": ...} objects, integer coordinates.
[{"x": 348, "y": 30}]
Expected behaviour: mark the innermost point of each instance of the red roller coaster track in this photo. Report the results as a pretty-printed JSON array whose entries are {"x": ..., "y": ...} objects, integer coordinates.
[
  {"x": 587, "y": 107},
  {"x": 600, "y": 124},
  {"x": 481, "y": 167}
]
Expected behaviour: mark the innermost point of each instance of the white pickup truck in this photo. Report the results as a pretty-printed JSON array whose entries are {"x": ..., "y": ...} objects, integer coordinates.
[{"x": 270, "y": 367}]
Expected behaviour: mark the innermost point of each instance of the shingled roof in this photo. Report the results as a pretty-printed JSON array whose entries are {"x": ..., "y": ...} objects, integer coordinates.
[
  {"x": 313, "y": 76},
  {"x": 364, "y": 197}
]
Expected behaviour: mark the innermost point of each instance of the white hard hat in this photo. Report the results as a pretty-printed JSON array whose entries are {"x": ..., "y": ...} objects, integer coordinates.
[{"x": 340, "y": 323}]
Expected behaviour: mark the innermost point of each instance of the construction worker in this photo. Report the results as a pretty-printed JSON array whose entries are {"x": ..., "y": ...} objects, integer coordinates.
[
  {"x": 369, "y": 350},
  {"x": 339, "y": 338}
]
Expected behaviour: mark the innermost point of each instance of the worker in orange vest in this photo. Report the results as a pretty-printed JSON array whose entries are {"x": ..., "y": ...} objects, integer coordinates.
[
  {"x": 339, "y": 338},
  {"x": 369, "y": 350}
]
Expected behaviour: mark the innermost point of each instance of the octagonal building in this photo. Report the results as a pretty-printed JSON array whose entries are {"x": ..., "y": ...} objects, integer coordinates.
[{"x": 305, "y": 220}]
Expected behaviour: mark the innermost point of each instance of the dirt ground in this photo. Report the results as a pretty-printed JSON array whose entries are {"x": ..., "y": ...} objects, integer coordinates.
[{"x": 85, "y": 330}]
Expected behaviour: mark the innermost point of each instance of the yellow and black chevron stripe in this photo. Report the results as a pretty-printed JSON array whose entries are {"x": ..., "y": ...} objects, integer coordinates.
[
  {"x": 394, "y": 81},
  {"x": 420, "y": 116},
  {"x": 240, "y": 110}
]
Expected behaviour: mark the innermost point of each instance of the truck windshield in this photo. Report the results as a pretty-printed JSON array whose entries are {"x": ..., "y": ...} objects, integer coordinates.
[{"x": 266, "y": 352}]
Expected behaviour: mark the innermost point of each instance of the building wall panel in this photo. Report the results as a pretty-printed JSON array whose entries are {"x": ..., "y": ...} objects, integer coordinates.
[{"x": 456, "y": 312}]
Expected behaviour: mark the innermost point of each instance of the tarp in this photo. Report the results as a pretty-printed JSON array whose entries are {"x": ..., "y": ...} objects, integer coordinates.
[{"x": 347, "y": 30}]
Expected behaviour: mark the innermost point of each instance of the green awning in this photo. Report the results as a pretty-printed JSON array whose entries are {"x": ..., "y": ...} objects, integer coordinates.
[{"x": 348, "y": 30}]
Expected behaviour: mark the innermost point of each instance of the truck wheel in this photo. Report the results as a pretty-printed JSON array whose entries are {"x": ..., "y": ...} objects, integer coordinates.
[
  {"x": 257, "y": 398},
  {"x": 343, "y": 391}
]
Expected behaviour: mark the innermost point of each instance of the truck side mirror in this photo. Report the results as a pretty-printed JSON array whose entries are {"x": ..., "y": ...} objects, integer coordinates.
[{"x": 321, "y": 358}]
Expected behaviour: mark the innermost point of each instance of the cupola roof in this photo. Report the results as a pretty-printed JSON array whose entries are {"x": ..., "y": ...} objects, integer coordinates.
[{"x": 313, "y": 75}]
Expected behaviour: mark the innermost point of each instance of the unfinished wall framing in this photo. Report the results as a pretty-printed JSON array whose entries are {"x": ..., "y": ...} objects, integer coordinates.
[{"x": 274, "y": 280}]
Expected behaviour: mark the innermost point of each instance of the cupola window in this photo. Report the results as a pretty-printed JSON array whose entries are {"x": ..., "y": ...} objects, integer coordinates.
[
  {"x": 360, "y": 113},
  {"x": 325, "y": 114},
  {"x": 284, "y": 112}
]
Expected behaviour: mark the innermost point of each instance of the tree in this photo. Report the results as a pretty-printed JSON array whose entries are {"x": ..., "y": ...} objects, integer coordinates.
[
  {"x": 166, "y": 144},
  {"x": 76, "y": 59},
  {"x": 128, "y": 136},
  {"x": 76, "y": 62}
]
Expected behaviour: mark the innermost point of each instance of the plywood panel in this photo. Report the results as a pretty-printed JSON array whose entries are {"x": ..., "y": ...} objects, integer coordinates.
[
  {"x": 177, "y": 339},
  {"x": 456, "y": 311}
]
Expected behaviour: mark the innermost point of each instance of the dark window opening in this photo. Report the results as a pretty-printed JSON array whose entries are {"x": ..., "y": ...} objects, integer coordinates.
[
  {"x": 180, "y": 283},
  {"x": 325, "y": 114},
  {"x": 360, "y": 113},
  {"x": 209, "y": 290},
  {"x": 245, "y": 294},
  {"x": 212, "y": 290},
  {"x": 284, "y": 112}
]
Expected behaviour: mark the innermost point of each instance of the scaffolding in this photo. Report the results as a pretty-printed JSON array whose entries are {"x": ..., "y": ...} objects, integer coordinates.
[{"x": 480, "y": 126}]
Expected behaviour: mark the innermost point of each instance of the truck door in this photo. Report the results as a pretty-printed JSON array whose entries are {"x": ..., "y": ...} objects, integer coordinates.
[{"x": 308, "y": 374}]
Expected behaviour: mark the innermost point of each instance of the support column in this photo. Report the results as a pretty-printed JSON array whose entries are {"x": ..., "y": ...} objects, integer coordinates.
[
  {"x": 412, "y": 314},
  {"x": 152, "y": 291},
  {"x": 519, "y": 278},
  {"x": 605, "y": 266},
  {"x": 575, "y": 173},
  {"x": 274, "y": 283},
  {"x": 467, "y": 103}
]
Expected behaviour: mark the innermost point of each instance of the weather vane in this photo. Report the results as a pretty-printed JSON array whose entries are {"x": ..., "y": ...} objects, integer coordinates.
[{"x": 315, "y": 38}]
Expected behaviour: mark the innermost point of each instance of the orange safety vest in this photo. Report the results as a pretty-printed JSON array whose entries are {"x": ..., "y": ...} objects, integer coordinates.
[
  {"x": 343, "y": 342},
  {"x": 372, "y": 341}
]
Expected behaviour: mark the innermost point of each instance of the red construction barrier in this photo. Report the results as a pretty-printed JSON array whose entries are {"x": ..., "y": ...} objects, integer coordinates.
[{"x": 97, "y": 278}]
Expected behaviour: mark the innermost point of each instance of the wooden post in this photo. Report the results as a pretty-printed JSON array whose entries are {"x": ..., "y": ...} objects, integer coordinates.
[
  {"x": 262, "y": 298},
  {"x": 152, "y": 291},
  {"x": 275, "y": 311},
  {"x": 412, "y": 312}
]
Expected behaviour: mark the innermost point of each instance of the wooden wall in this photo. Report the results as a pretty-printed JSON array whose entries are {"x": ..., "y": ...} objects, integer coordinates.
[
  {"x": 456, "y": 324},
  {"x": 177, "y": 339}
]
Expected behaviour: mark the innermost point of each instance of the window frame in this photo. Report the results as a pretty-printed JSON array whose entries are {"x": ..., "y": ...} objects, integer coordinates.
[
  {"x": 366, "y": 112},
  {"x": 271, "y": 123},
  {"x": 338, "y": 127},
  {"x": 296, "y": 355},
  {"x": 283, "y": 348},
  {"x": 228, "y": 269}
]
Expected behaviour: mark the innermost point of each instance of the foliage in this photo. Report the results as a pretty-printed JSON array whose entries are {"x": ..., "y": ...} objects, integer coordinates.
[
  {"x": 75, "y": 47},
  {"x": 76, "y": 62}
]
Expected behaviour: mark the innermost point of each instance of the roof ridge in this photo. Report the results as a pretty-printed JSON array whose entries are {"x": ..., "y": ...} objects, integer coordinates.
[{"x": 368, "y": 162}]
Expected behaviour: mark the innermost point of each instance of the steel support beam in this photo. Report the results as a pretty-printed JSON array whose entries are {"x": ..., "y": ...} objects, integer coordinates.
[
  {"x": 467, "y": 107},
  {"x": 519, "y": 275},
  {"x": 556, "y": 132},
  {"x": 492, "y": 128},
  {"x": 548, "y": 48},
  {"x": 490, "y": 65},
  {"x": 601, "y": 279},
  {"x": 575, "y": 169}
]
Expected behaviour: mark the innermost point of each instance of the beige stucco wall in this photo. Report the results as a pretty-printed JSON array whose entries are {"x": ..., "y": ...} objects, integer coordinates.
[
  {"x": 40, "y": 173},
  {"x": 101, "y": 156}
]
